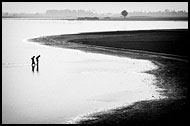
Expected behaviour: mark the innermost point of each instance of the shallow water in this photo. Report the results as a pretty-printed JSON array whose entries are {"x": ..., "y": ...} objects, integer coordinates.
[{"x": 68, "y": 82}]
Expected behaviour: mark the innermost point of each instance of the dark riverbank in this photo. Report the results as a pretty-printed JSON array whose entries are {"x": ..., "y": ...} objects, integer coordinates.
[
  {"x": 172, "y": 42},
  {"x": 161, "y": 41},
  {"x": 166, "y": 48}
]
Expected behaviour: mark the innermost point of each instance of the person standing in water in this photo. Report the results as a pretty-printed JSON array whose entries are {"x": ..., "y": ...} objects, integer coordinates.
[
  {"x": 33, "y": 62},
  {"x": 37, "y": 60}
]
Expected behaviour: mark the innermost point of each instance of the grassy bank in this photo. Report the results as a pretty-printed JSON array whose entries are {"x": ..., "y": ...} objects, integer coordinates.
[{"x": 166, "y": 48}]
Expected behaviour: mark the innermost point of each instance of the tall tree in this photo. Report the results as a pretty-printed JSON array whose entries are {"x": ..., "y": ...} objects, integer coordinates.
[{"x": 124, "y": 13}]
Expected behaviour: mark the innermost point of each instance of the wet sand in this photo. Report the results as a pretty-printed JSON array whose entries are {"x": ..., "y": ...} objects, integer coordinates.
[
  {"x": 173, "y": 77},
  {"x": 166, "y": 48}
]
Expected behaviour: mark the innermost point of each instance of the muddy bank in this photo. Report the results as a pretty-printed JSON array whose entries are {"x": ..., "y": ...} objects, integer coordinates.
[{"x": 166, "y": 48}]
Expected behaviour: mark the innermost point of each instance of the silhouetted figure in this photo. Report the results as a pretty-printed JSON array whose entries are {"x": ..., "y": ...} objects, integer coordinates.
[
  {"x": 37, "y": 69},
  {"x": 37, "y": 59},
  {"x": 33, "y": 62}
]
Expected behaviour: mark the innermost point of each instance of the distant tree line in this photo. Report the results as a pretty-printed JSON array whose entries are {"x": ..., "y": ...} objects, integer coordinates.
[{"x": 74, "y": 14}]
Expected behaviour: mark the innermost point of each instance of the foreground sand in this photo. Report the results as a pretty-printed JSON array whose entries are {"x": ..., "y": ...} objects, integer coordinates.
[{"x": 166, "y": 48}]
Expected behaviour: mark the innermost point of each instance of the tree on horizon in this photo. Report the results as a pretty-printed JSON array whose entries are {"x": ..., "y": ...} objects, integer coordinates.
[{"x": 124, "y": 13}]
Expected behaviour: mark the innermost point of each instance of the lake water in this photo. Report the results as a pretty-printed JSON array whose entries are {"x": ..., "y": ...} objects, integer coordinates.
[{"x": 69, "y": 82}]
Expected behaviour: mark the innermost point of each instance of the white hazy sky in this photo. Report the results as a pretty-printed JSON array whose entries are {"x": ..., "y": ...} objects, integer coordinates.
[{"x": 99, "y": 7}]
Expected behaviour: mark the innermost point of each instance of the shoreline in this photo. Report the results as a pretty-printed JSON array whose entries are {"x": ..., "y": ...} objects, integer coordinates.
[
  {"x": 161, "y": 41},
  {"x": 113, "y": 19},
  {"x": 171, "y": 110},
  {"x": 172, "y": 74}
]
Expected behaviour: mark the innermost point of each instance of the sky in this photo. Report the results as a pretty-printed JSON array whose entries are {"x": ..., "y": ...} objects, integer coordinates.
[{"x": 98, "y": 7}]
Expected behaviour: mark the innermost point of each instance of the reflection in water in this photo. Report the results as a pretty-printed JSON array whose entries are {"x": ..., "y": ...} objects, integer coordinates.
[{"x": 37, "y": 67}]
